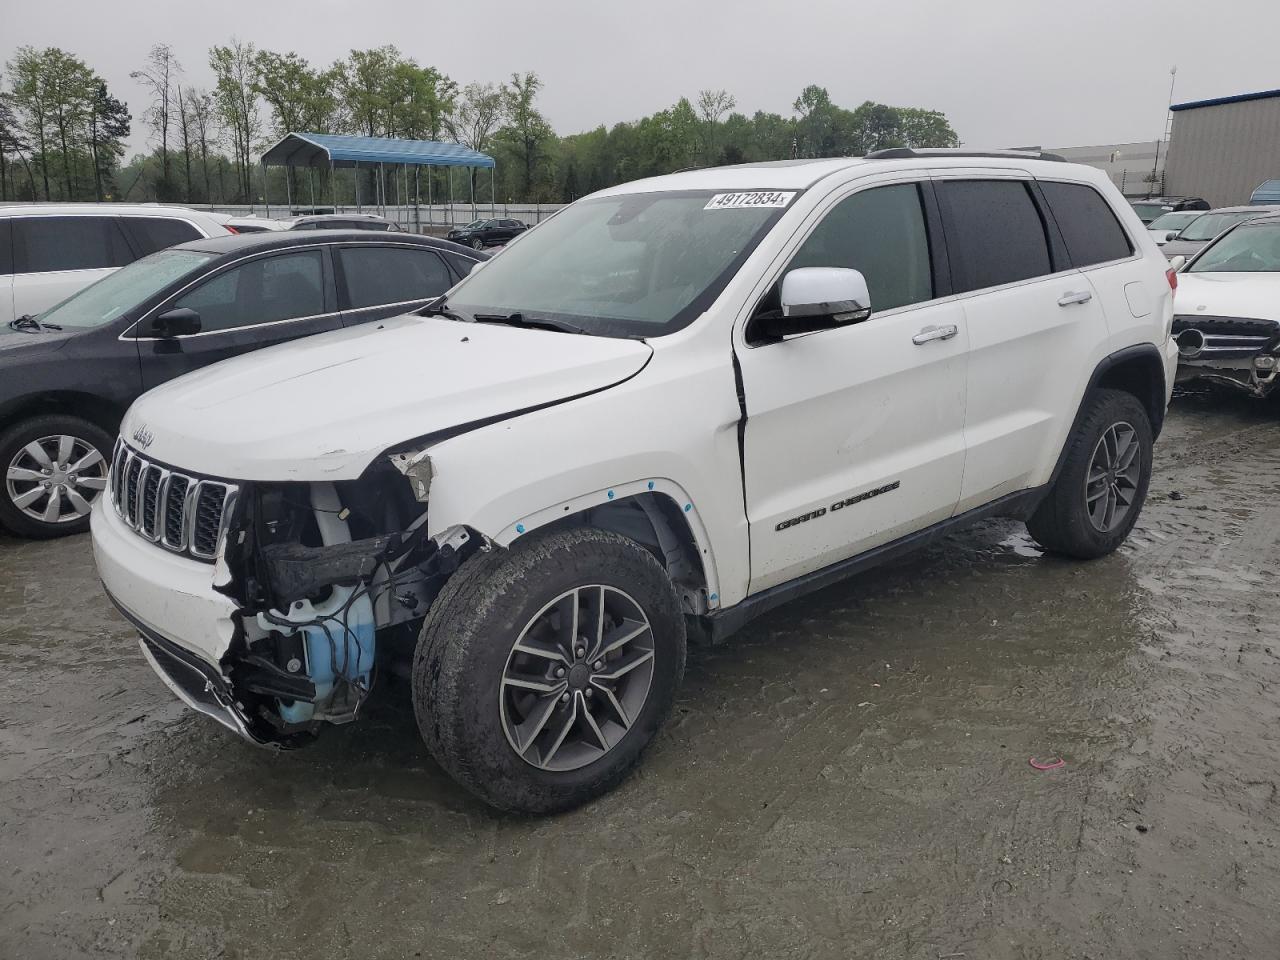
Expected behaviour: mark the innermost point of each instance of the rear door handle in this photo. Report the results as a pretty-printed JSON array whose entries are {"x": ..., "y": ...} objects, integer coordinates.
[
  {"x": 1067, "y": 299},
  {"x": 944, "y": 332}
]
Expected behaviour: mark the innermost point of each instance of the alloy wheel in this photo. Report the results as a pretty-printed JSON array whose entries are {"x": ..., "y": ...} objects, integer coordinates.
[
  {"x": 577, "y": 678},
  {"x": 56, "y": 479},
  {"x": 1111, "y": 483}
]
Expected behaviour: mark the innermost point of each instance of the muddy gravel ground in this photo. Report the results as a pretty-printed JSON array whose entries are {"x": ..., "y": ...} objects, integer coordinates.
[{"x": 849, "y": 777}]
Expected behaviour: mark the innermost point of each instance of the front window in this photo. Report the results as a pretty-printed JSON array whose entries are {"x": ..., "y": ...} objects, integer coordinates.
[
  {"x": 1251, "y": 248},
  {"x": 114, "y": 295},
  {"x": 637, "y": 264},
  {"x": 1209, "y": 225}
]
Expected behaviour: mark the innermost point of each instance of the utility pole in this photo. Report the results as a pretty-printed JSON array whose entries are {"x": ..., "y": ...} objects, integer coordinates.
[{"x": 1168, "y": 130}]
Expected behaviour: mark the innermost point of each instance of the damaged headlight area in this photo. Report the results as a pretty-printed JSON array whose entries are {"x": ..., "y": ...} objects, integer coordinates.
[
  {"x": 1240, "y": 352},
  {"x": 332, "y": 580}
]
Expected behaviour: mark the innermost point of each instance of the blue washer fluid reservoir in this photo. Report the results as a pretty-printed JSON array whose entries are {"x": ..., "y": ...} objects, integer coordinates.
[{"x": 341, "y": 641}]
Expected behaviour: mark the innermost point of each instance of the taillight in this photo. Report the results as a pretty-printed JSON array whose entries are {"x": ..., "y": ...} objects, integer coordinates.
[
  {"x": 231, "y": 229},
  {"x": 1172, "y": 276}
]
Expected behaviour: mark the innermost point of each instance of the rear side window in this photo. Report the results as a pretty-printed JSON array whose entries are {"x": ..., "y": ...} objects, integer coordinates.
[
  {"x": 994, "y": 233},
  {"x": 1088, "y": 225},
  {"x": 156, "y": 233},
  {"x": 283, "y": 287},
  {"x": 378, "y": 275},
  {"x": 882, "y": 233},
  {"x": 45, "y": 244}
]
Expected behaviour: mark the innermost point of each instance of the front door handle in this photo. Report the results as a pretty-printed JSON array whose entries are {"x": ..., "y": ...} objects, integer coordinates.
[
  {"x": 1067, "y": 299},
  {"x": 944, "y": 332}
]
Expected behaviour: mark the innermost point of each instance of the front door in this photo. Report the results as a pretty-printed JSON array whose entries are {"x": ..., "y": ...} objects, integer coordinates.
[
  {"x": 855, "y": 435},
  {"x": 246, "y": 306}
]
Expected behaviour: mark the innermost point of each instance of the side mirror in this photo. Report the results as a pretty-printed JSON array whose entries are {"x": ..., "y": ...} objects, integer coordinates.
[
  {"x": 1170, "y": 235},
  {"x": 1177, "y": 263},
  {"x": 819, "y": 298},
  {"x": 179, "y": 322}
]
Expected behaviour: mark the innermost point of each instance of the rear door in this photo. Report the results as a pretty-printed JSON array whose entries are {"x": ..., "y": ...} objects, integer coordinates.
[
  {"x": 377, "y": 281},
  {"x": 249, "y": 304},
  {"x": 56, "y": 256},
  {"x": 1031, "y": 317}
]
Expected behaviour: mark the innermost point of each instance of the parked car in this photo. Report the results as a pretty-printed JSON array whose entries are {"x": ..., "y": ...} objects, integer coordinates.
[
  {"x": 340, "y": 221},
  {"x": 67, "y": 376},
  {"x": 1165, "y": 228},
  {"x": 1192, "y": 238},
  {"x": 49, "y": 251},
  {"x": 487, "y": 233},
  {"x": 1151, "y": 208},
  {"x": 249, "y": 224},
  {"x": 675, "y": 405},
  {"x": 1227, "y": 319}
]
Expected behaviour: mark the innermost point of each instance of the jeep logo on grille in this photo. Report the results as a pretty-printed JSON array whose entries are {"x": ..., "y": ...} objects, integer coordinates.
[{"x": 143, "y": 437}]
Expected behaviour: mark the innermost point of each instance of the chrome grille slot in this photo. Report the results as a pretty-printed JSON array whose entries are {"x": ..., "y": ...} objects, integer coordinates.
[
  {"x": 152, "y": 478},
  {"x": 175, "y": 508},
  {"x": 181, "y": 512},
  {"x": 132, "y": 471},
  {"x": 210, "y": 500}
]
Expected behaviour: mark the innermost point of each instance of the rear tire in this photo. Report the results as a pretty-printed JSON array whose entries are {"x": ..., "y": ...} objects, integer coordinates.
[
  {"x": 1099, "y": 493},
  {"x": 69, "y": 454},
  {"x": 477, "y": 244},
  {"x": 523, "y": 717}
]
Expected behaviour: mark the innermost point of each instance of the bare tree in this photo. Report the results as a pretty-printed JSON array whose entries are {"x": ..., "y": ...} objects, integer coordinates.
[
  {"x": 477, "y": 113},
  {"x": 200, "y": 106},
  {"x": 160, "y": 77},
  {"x": 712, "y": 106}
]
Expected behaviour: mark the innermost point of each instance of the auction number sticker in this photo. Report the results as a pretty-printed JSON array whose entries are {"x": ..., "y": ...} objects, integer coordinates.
[{"x": 753, "y": 198}]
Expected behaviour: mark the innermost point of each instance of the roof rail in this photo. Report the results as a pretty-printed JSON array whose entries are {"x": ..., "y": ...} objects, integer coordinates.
[{"x": 906, "y": 153}]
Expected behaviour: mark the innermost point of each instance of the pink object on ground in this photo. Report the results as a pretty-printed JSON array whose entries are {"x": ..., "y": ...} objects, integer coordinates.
[{"x": 1051, "y": 765}]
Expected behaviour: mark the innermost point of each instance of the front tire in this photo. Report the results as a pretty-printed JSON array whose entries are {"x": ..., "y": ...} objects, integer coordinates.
[
  {"x": 1099, "y": 493},
  {"x": 543, "y": 672},
  {"x": 55, "y": 467}
]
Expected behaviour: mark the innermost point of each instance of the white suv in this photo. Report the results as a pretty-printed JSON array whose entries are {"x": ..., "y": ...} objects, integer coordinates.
[
  {"x": 673, "y": 406},
  {"x": 50, "y": 251}
]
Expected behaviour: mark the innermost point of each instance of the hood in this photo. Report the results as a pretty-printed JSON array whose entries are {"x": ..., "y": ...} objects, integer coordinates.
[
  {"x": 1182, "y": 248},
  {"x": 1252, "y": 295},
  {"x": 322, "y": 408}
]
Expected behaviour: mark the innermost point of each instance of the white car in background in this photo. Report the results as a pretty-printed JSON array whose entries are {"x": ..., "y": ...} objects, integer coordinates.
[
  {"x": 1227, "y": 309},
  {"x": 50, "y": 251},
  {"x": 1163, "y": 229},
  {"x": 249, "y": 224}
]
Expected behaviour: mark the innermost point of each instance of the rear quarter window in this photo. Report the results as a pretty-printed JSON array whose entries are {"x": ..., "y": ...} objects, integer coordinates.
[
  {"x": 1087, "y": 222},
  {"x": 157, "y": 233}
]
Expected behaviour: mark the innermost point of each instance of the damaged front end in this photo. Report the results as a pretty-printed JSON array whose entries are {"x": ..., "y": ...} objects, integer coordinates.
[
  {"x": 331, "y": 581},
  {"x": 1240, "y": 352}
]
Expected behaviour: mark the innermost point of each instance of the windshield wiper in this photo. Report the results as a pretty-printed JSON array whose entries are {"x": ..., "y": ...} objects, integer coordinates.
[
  {"x": 438, "y": 309},
  {"x": 518, "y": 319},
  {"x": 30, "y": 322}
]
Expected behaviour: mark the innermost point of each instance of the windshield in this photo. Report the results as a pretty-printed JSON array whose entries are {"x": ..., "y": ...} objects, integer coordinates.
[
  {"x": 1174, "y": 221},
  {"x": 1209, "y": 225},
  {"x": 129, "y": 286},
  {"x": 474, "y": 224},
  {"x": 638, "y": 264},
  {"x": 1252, "y": 248},
  {"x": 1149, "y": 211}
]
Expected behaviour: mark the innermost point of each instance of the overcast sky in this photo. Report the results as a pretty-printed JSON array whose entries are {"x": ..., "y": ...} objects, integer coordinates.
[{"x": 1006, "y": 72}]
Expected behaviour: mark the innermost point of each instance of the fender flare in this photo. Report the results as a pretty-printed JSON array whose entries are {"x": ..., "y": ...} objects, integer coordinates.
[
  {"x": 1146, "y": 352},
  {"x": 618, "y": 493}
]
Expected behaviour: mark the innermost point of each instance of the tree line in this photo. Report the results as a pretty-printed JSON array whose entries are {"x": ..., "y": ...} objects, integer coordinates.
[{"x": 62, "y": 132}]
